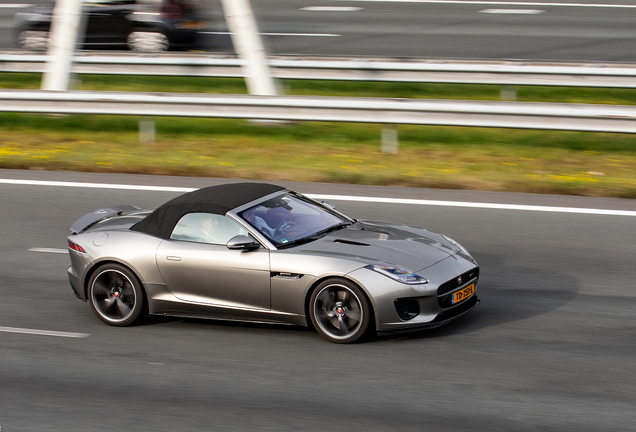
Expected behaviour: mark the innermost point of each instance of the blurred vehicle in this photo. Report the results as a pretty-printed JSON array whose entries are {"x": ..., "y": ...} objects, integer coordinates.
[
  {"x": 140, "y": 25},
  {"x": 260, "y": 252}
]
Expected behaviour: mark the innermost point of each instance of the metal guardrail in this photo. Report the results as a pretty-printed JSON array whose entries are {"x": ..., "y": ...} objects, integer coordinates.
[
  {"x": 525, "y": 115},
  {"x": 431, "y": 71}
]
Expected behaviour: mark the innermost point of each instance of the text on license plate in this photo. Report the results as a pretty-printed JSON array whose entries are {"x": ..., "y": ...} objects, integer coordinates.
[{"x": 464, "y": 294}]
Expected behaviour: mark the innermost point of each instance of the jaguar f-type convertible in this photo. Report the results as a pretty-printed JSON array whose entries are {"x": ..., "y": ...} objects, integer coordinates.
[{"x": 262, "y": 253}]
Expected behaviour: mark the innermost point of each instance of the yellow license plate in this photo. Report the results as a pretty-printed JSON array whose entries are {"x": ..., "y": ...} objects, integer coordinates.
[
  {"x": 464, "y": 294},
  {"x": 198, "y": 25}
]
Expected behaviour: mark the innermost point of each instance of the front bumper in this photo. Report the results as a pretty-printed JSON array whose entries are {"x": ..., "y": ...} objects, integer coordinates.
[
  {"x": 441, "y": 319},
  {"x": 430, "y": 303}
]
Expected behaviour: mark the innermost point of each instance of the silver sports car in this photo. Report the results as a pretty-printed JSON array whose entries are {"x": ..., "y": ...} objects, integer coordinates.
[{"x": 260, "y": 252}]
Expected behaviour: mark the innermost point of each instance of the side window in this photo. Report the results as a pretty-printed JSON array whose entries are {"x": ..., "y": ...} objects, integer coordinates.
[{"x": 206, "y": 228}]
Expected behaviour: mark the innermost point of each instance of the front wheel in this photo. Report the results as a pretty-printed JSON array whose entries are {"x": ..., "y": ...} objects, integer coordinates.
[
  {"x": 340, "y": 311},
  {"x": 147, "y": 41},
  {"x": 115, "y": 295}
]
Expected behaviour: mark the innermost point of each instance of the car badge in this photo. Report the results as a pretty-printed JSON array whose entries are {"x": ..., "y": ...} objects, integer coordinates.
[{"x": 459, "y": 280}]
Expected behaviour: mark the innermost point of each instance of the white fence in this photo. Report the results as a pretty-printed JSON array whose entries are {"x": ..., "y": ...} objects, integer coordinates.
[
  {"x": 576, "y": 117},
  {"x": 432, "y": 71}
]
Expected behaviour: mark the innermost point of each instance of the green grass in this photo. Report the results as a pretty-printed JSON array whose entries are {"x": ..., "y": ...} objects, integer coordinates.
[{"x": 445, "y": 157}]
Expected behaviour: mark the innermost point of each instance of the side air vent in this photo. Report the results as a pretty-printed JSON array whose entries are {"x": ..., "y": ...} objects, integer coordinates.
[{"x": 285, "y": 275}]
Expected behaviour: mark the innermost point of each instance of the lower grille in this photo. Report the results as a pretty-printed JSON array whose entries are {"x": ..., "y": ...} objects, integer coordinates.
[
  {"x": 454, "y": 283},
  {"x": 445, "y": 290}
]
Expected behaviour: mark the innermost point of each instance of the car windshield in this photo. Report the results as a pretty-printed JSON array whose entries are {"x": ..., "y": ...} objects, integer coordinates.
[{"x": 291, "y": 219}]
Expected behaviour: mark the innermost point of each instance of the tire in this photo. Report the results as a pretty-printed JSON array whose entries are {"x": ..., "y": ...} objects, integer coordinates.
[
  {"x": 36, "y": 40},
  {"x": 145, "y": 40},
  {"x": 115, "y": 295},
  {"x": 340, "y": 311}
]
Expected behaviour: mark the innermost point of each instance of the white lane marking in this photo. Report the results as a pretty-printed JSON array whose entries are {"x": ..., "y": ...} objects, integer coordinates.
[
  {"x": 513, "y": 11},
  {"x": 15, "y": 5},
  {"x": 482, "y": 2},
  {"x": 49, "y": 250},
  {"x": 494, "y": 206},
  {"x": 43, "y": 332},
  {"x": 477, "y": 205},
  {"x": 331, "y": 8},
  {"x": 283, "y": 34},
  {"x": 95, "y": 185}
]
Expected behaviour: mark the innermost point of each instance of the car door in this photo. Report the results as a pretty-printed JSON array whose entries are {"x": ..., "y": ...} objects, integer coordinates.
[
  {"x": 107, "y": 21},
  {"x": 197, "y": 266}
]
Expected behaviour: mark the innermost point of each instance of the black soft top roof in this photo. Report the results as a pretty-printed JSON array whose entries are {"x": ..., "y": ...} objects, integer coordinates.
[{"x": 213, "y": 199}]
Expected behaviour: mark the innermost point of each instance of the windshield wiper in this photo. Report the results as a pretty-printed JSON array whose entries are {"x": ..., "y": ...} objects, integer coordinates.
[{"x": 332, "y": 228}]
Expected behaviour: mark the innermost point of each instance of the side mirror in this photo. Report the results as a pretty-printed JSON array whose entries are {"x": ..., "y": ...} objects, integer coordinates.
[{"x": 242, "y": 242}]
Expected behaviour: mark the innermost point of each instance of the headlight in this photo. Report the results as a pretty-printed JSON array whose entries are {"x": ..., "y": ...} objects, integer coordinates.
[
  {"x": 398, "y": 274},
  {"x": 457, "y": 245}
]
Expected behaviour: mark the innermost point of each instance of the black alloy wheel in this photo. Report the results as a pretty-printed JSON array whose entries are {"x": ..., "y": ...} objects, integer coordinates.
[
  {"x": 340, "y": 311},
  {"x": 115, "y": 295}
]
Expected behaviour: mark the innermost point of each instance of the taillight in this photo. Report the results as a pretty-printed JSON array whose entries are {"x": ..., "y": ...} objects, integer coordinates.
[{"x": 75, "y": 247}]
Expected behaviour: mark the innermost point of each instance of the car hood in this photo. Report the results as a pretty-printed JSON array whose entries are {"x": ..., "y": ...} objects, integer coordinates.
[{"x": 371, "y": 242}]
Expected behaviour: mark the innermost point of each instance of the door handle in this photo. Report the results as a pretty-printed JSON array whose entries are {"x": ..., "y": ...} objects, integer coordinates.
[{"x": 173, "y": 258}]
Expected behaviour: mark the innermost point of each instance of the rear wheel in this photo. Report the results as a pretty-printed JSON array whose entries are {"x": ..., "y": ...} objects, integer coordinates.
[
  {"x": 147, "y": 41},
  {"x": 339, "y": 311},
  {"x": 37, "y": 40},
  {"x": 115, "y": 295}
]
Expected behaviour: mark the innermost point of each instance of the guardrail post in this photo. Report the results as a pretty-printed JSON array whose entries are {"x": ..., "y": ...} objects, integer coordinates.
[
  {"x": 508, "y": 93},
  {"x": 62, "y": 39},
  {"x": 147, "y": 130},
  {"x": 390, "y": 141}
]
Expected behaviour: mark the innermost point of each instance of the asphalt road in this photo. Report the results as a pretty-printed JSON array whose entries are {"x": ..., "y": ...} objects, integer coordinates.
[
  {"x": 600, "y": 30},
  {"x": 550, "y": 348}
]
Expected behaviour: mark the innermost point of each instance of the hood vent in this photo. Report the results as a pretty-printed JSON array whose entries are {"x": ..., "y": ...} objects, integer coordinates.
[
  {"x": 351, "y": 242},
  {"x": 374, "y": 230}
]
